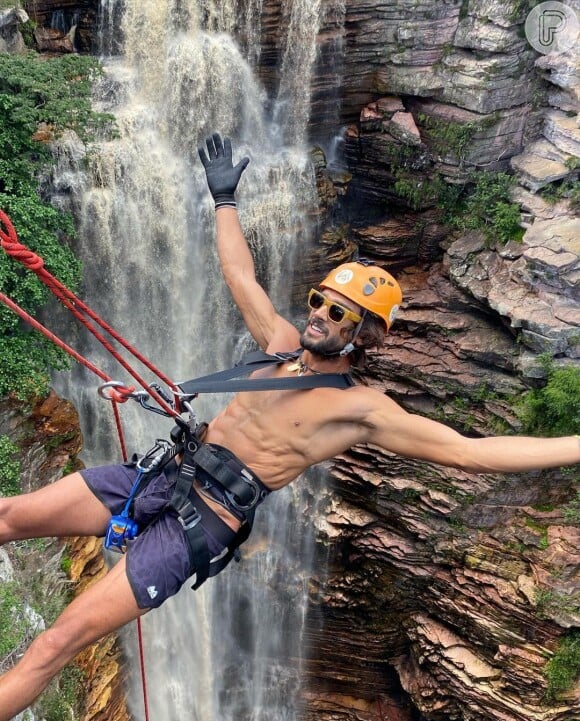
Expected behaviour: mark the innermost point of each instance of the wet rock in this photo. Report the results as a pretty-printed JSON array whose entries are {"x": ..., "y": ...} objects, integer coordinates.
[
  {"x": 11, "y": 40},
  {"x": 49, "y": 40}
]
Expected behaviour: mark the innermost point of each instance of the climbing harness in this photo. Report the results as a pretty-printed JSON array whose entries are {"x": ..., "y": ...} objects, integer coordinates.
[{"x": 239, "y": 489}]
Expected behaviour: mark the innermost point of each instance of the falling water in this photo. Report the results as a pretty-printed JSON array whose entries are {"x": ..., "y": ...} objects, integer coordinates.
[{"x": 231, "y": 650}]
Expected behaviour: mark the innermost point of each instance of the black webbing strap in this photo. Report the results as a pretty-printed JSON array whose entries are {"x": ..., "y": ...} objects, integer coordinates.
[
  {"x": 187, "y": 513},
  {"x": 212, "y": 524},
  {"x": 229, "y": 379},
  {"x": 243, "y": 492}
]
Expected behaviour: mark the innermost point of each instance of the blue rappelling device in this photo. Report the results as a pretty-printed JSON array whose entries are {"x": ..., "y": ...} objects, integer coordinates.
[{"x": 122, "y": 528}]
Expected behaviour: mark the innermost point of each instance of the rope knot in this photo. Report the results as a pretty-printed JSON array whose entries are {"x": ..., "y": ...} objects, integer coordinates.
[
  {"x": 10, "y": 243},
  {"x": 121, "y": 394}
]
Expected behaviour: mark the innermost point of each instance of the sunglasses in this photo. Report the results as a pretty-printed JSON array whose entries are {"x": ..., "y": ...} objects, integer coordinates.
[{"x": 336, "y": 312}]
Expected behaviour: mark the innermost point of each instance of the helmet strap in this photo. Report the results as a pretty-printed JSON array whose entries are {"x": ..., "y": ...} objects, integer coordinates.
[{"x": 350, "y": 346}]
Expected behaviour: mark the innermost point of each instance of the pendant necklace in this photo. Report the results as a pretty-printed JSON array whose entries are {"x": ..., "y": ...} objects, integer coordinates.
[{"x": 301, "y": 367}]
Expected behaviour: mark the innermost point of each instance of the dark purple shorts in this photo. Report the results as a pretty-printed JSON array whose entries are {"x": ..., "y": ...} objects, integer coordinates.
[{"x": 157, "y": 560}]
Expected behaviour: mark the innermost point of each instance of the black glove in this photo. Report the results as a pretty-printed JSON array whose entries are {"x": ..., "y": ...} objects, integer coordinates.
[{"x": 222, "y": 176}]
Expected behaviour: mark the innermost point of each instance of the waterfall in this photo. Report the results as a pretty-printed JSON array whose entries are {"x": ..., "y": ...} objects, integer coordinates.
[
  {"x": 231, "y": 650},
  {"x": 301, "y": 18}
]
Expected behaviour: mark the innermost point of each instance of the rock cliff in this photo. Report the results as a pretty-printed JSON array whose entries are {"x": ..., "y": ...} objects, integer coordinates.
[{"x": 447, "y": 592}]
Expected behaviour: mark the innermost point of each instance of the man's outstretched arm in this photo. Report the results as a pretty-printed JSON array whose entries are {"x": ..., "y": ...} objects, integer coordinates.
[
  {"x": 267, "y": 327},
  {"x": 418, "y": 437}
]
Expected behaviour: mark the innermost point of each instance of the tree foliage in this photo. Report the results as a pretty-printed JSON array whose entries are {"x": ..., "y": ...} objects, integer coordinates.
[
  {"x": 54, "y": 95},
  {"x": 554, "y": 409},
  {"x": 485, "y": 204}
]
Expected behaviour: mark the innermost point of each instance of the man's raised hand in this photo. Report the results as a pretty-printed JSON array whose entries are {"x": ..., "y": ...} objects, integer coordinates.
[{"x": 222, "y": 176}]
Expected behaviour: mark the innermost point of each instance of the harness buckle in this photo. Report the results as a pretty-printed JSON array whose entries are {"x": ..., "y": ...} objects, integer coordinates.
[
  {"x": 232, "y": 499},
  {"x": 187, "y": 514}
]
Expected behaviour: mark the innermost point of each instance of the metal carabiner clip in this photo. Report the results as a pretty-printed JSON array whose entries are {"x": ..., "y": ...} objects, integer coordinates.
[
  {"x": 153, "y": 457},
  {"x": 102, "y": 390}
]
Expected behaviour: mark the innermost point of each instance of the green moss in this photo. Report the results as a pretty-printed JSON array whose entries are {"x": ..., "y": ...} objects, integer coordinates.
[
  {"x": 65, "y": 564},
  {"x": 563, "y": 669},
  {"x": 27, "y": 31},
  {"x": 9, "y": 468}
]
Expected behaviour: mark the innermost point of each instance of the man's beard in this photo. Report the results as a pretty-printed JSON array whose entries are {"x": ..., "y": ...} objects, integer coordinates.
[{"x": 326, "y": 347}]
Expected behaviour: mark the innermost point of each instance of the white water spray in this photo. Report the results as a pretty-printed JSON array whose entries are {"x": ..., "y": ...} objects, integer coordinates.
[{"x": 231, "y": 650}]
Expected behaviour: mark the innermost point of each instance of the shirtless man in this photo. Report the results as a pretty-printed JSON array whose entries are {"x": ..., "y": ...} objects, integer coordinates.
[{"x": 276, "y": 434}]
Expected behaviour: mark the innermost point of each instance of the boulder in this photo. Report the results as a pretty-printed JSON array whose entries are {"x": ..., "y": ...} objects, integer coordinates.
[{"x": 11, "y": 40}]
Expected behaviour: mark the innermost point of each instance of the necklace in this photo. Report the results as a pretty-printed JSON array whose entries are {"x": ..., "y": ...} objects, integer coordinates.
[{"x": 301, "y": 367}]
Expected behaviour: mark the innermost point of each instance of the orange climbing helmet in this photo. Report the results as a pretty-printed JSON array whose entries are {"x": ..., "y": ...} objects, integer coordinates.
[{"x": 369, "y": 286}]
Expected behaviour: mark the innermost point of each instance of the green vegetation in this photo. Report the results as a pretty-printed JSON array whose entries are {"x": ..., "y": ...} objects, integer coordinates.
[
  {"x": 51, "y": 95},
  {"x": 542, "y": 530},
  {"x": 572, "y": 511},
  {"x": 554, "y": 409},
  {"x": 486, "y": 205},
  {"x": 9, "y": 468},
  {"x": 569, "y": 189},
  {"x": 61, "y": 700},
  {"x": 418, "y": 193},
  {"x": 65, "y": 564},
  {"x": 482, "y": 203},
  {"x": 563, "y": 668},
  {"x": 552, "y": 602},
  {"x": 42, "y": 587},
  {"x": 447, "y": 137},
  {"x": 12, "y": 625}
]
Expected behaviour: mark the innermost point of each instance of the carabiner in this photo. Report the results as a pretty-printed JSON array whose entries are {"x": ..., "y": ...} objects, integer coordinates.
[
  {"x": 141, "y": 397},
  {"x": 102, "y": 390}
]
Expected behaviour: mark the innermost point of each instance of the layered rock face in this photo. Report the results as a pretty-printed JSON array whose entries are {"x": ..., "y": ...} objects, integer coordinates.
[{"x": 451, "y": 587}]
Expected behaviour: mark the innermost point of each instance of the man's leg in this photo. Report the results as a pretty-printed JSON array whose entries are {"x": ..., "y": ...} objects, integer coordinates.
[
  {"x": 102, "y": 608},
  {"x": 64, "y": 508}
]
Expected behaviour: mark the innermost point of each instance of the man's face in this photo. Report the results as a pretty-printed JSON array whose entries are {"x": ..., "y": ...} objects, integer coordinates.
[{"x": 322, "y": 335}]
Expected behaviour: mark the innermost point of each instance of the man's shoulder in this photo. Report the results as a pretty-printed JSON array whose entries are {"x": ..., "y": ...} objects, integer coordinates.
[{"x": 367, "y": 396}]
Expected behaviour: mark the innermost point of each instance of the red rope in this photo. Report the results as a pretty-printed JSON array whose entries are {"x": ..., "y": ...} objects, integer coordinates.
[
  {"x": 140, "y": 643},
  {"x": 142, "y": 667},
  {"x": 10, "y": 243},
  {"x": 13, "y": 247}
]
